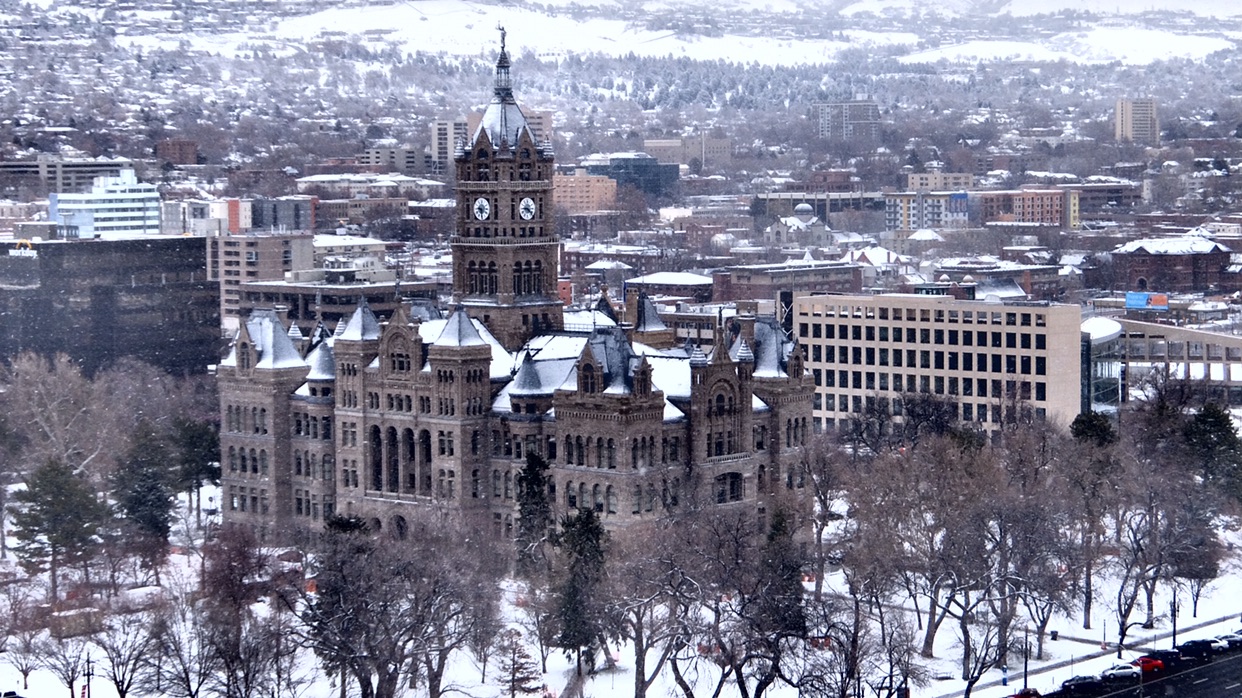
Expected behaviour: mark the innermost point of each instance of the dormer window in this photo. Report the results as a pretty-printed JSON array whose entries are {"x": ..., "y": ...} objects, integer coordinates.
[
  {"x": 588, "y": 379},
  {"x": 243, "y": 356}
]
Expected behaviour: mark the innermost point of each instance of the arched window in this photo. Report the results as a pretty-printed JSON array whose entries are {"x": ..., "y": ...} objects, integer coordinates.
[
  {"x": 571, "y": 495},
  {"x": 588, "y": 379},
  {"x": 610, "y": 497},
  {"x": 597, "y": 497}
]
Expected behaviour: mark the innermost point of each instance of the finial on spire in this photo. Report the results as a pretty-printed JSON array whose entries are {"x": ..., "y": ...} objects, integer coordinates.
[{"x": 501, "y": 28}]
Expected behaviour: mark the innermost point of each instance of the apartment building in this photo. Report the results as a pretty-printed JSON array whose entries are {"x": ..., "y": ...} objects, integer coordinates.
[
  {"x": 579, "y": 192},
  {"x": 1055, "y": 207},
  {"x": 709, "y": 152},
  {"x": 939, "y": 181},
  {"x": 906, "y": 210},
  {"x": 236, "y": 259},
  {"x": 850, "y": 120},
  {"x": 404, "y": 160},
  {"x": 866, "y": 352},
  {"x": 1136, "y": 120}
]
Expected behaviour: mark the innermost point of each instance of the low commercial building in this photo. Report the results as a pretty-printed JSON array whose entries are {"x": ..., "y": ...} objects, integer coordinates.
[
  {"x": 993, "y": 360},
  {"x": 115, "y": 207}
]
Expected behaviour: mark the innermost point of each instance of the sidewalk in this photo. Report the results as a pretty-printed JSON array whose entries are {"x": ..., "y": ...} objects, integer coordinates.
[{"x": 1137, "y": 643}]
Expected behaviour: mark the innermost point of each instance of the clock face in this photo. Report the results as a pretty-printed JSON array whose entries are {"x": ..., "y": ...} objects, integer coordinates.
[
  {"x": 482, "y": 209},
  {"x": 527, "y": 208}
]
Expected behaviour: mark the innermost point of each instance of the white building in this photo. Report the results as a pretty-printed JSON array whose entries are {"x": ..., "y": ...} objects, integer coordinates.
[{"x": 114, "y": 207}]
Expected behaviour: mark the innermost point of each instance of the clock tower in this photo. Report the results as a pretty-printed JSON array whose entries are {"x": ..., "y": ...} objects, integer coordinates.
[{"x": 505, "y": 250}]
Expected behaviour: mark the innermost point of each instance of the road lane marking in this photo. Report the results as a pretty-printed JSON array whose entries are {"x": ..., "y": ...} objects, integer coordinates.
[
  {"x": 1234, "y": 685},
  {"x": 1199, "y": 681}
]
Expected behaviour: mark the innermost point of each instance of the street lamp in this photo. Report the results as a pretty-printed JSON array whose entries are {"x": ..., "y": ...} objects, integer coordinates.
[
  {"x": 1026, "y": 654},
  {"x": 1173, "y": 613}
]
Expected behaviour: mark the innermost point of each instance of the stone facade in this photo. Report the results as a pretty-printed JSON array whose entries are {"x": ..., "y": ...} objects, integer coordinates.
[{"x": 379, "y": 420}]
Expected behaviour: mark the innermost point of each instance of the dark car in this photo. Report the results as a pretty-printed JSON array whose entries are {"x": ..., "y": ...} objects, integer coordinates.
[
  {"x": 1083, "y": 686},
  {"x": 1197, "y": 650},
  {"x": 1172, "y": 659}
]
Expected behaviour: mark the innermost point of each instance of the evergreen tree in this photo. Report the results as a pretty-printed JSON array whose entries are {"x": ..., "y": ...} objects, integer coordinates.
[
  {"x": 198, "y": 452},
  {"x": 1093, "y": 428},
  {"x": 534, "y": 515},
  {"x": 1213, "y": 442},
  {"x": 579, "y": 609},
  {"x": 142, "y": 489},
  {"x": 519, "y": 673},
  {"x": 780, "y": 609},
  {"x": 55, "y": 521}
]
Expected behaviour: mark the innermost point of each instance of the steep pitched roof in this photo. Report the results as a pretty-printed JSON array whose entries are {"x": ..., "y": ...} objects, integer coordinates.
[
  {"x": 271, "y": 342},
  {"x": 362, "y": 325},
  {"x": 459, "y": 331}
]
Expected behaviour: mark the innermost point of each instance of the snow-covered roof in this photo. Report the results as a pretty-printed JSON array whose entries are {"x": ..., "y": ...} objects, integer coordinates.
[
  {"x": 459, "y": 331},
  {"x": 362, "y": 325},
  {"x": 270, "y": 340},
  {"x": 672, "y": 278},
  {"x": 1182, "y": 244},
  {"x": 502, "y": 361},
  {"x": 1101, "y": 329}
]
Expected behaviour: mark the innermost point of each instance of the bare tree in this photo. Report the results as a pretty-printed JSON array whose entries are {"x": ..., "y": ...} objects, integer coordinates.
[
  {"x": 66, "y": 658},
  {"x": 126, "y": 641}
]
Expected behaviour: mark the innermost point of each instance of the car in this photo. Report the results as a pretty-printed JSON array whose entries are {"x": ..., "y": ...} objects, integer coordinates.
[
  {"x": 1148, "y": 664},
  {"x": 1026, "y": 693},
  {"x": 1121, "y": 672},
  {"x": 1172, "y": 659},
  {"x": 1197, "y": 650},
  {"x": 1083, "y": 686},
  {"x": 1233, "y": 639}
]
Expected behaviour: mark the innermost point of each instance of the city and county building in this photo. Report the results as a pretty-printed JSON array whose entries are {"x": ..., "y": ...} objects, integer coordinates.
[
  {"x": 98, "y": 301},
  {"x": 992, "y": 359},
  {"x": 384, "y": 419},
  {"x": 119, "y": 206}
]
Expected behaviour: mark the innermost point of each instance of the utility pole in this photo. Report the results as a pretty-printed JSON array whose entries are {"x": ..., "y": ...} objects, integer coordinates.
[
  {"x": 1173, "y": 613},
  {"x": 1026, "y": 654}
]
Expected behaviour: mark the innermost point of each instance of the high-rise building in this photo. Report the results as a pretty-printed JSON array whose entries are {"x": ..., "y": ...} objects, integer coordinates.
[
  {"x": 1136, "y": 120},
  {"x": 445, "y": 135},
  {"x": 847, "y": 121}
]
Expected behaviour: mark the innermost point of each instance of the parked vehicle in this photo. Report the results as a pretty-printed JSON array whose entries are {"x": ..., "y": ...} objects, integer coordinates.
[
  {"x": 1121, "y": 672},
  {"x": 1234, "y": 640},
  {"x": 1173, "y": 660},
  {"x": 1083, "y": 686},
  {"x": 1026, "y": 693},
  {"x": 1197, "y": 650},
  {"x": 1148, "y": 664}
]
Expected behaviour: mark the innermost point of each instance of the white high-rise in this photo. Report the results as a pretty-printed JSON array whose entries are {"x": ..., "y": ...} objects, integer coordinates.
[{"x": 115, "y": 207}]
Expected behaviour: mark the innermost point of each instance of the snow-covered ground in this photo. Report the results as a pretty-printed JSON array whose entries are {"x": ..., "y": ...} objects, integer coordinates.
[
  {"x": 464, "y": 28},
  {"x": 1077, "y": 652}
]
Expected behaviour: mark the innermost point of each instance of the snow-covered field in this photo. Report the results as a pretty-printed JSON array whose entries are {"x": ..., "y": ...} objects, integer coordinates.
[
  {"x": 1077, "y": 652},
  {"x": 464, "y": 28}
]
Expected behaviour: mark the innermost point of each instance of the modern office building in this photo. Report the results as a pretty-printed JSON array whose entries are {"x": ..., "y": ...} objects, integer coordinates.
[
  {"x": 115, "y": 207},
  {"x": 991, "y": 359},
  {"x": 144, "y": 297},
  {"x": 578, "y": 192}
]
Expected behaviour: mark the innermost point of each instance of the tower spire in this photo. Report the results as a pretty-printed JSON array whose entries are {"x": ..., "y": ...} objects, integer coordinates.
[{"x": 503, "y": 89}]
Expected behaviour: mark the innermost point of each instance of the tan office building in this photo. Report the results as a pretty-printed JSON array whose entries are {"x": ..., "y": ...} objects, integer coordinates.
[{"x": 991, "y": 358}]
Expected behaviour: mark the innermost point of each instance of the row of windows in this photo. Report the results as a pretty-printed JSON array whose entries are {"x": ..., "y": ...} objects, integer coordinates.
[
  {"x": 859, "y": 404},
  {"x": 311, "y": 426},
  {"x": 923, "y": 358},
  {"x": 940, "y": 385},
  {"x": 240, "y": 497},
  {"x": 240, "y": 420},
  {"x": 252, "y": 461},
  {"x": 926, "y": 335},
  {"x": 938, "y": 315},
  {"x": 307, "y": 504}
]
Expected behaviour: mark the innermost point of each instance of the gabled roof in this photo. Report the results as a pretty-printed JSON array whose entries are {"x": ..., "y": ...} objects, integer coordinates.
[
  {"x": 362, "y": 325},
  {"x": 322, "y": 363},
  {"x": 271, "y": 341}
]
